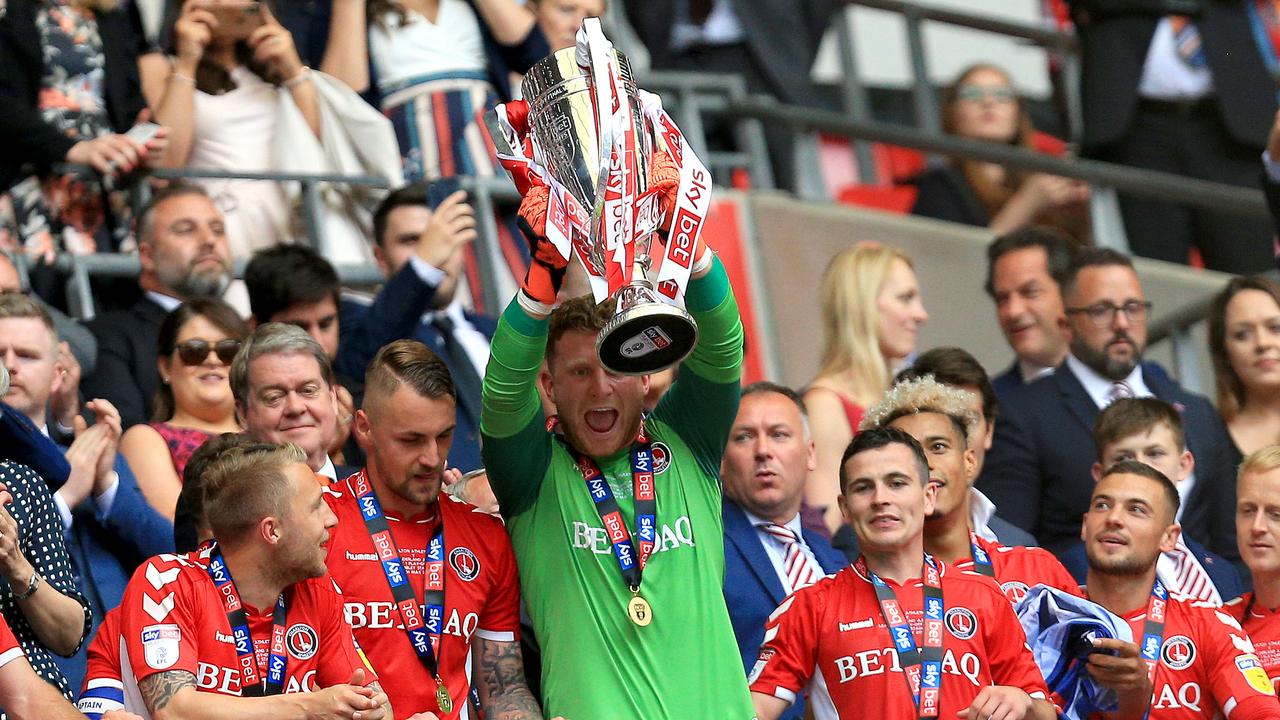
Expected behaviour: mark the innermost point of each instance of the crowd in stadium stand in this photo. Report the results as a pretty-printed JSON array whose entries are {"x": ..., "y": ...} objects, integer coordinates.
[{"x": 240, "y": 488}]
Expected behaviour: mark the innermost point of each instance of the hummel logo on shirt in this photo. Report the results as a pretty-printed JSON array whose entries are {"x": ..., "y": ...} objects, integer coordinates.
[
  {"x": 373, "y": 557},
  {"x": 855, "y": 625}
]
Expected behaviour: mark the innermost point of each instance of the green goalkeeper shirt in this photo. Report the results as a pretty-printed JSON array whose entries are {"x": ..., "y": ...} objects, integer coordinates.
[{"x": 596, "y": 664}]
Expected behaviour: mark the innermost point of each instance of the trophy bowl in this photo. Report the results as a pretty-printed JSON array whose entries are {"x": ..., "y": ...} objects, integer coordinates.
[{"x": 646, "y": 334}]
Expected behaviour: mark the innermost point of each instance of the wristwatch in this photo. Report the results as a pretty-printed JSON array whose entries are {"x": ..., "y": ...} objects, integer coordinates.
[{"x": 31, "y": 587}]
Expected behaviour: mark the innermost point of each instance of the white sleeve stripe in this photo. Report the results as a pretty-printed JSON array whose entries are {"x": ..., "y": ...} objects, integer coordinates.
[
  {"x": 784, "y": 694},
  {"x": 104, "y": 682},
  {"x": 1228, "y": 706},
  {"x": 9, "y": 656},
  {"x": 496, "y": 635},
  {"x": 1038, "y": 696}
]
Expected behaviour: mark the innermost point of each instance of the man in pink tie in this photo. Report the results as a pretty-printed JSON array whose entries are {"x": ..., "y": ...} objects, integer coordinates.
[{"x": 768, "y": 554}]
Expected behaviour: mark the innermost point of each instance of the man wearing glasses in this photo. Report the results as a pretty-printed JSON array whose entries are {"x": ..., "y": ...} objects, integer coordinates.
[{"x": 1038, "y": 469}]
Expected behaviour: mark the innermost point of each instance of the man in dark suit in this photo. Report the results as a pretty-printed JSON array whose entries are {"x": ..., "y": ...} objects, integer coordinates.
[
  {"x": 1038, "y": 470},
  {"x": 768, "y": 555},
  {"x": 1179, "y": 86},
  {"x": 771, "y": 45},
  {"x": 286, "y": 392},
  {"x": 1025, "y": 270},
  {"x": 183, "y": 250},
  {"x": 421, "y": 251},
  {"x": 108, "y": 527}
]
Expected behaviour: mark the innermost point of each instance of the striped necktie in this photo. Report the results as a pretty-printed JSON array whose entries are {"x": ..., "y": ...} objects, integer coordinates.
[
  {"x": 1187, "y": 42},
  {"x": 801, "y": 569},
  {"x": 1119, "y": 391}
]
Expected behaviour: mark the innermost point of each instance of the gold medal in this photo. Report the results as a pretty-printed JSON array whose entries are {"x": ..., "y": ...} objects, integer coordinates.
[
  {"x": 639, "y": 610},
  {"x": 443, "y": 700}
]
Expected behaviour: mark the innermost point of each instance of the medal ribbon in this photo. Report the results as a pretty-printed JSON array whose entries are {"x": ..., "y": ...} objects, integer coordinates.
[
  {"x": 630, "y": 562},
  {"x": 981, "y": 559},
  {"x": 1153, "y": 630},
  {"x": 922, "y": 666},
  {"x": 251, "y": 685},
  {"x": 424, "y": 633}
]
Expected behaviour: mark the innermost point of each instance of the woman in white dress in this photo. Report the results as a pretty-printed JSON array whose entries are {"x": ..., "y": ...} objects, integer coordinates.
[{"x": 218, "y": 95}]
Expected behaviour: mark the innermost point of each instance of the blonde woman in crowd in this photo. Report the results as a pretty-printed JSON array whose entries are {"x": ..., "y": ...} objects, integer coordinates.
[{"x": 871, "y": 313}]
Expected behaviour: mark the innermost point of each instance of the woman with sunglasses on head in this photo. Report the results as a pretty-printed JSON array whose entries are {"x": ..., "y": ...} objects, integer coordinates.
[
  {"x": 193, "y": 400},
  {"x": 982, "y": 104}
]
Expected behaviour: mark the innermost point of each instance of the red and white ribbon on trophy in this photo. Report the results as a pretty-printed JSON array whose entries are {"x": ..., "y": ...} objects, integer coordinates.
[{"x": 626, "y": 214}]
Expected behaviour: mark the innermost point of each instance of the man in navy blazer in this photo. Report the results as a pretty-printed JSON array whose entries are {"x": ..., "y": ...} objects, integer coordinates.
[
  {"x": 421, "y": 251},
  {"x": 1025, "y": 270},
  {"x": 108, "y": 527},
  {"x": 768, "y": 555},
  {"x": 1038, "y": 470},
  {"x": 183, "y": 251}
]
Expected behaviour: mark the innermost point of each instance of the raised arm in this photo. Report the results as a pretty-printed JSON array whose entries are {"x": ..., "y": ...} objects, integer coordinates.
[
  {"x": 508, "y": 20},
  {"x": 703, "y": 401},
  {"x": 516, "y": 448},
  {"x": 170, "y": 86},
  {"x": 346, "y": 54}
]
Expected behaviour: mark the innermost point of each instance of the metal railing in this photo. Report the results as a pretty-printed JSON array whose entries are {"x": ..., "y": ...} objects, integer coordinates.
[
  {"x": 485, "y": 192},
  {"x": 1063, "y": 46},
  {"x": 689, "y": 96},
  {"x": 1104, "y": 177},
  {"x": 1138, "y": 182}
]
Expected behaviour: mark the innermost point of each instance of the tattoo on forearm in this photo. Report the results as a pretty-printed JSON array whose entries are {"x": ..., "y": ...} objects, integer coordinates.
[
  {"x": 502, "y": 685},
  {"x": 159, "y": 689}
]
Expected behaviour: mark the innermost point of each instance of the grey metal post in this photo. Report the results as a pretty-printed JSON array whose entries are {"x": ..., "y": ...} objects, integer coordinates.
[
  {"x": 1105, "y": 220},
  {"x": 81, "y": 296},
  {"x": 313, "y": 216},
  {"x": 810, "y": 184},
  {"x": 854, "y": 94},
  {"x": 750, "y": 134},
  {"x": 922, "y": 91},
  {"x": 1071, "y": 92},
  {"x": 1186, "y": 360},
  {"x": 691, "y": 121}
]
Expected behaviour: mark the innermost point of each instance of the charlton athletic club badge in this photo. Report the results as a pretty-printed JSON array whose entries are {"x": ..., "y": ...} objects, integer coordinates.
[
  {"x": 961, "y": 622},
  {"x": 302, "y": 641},
  {"x": 1178, "y": 652},
  {"x": 465, "y": 563},
  {"x": 661, "y": 457}
]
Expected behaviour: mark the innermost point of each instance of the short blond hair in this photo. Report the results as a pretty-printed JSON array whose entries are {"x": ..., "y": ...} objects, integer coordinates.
[
  {"x": 247, "y": 483},
  {"x": 924, "y": 395},
  {"x": 1262, "y": 460}
]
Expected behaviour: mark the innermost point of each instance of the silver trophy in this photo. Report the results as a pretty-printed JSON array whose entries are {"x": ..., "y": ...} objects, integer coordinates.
[{"x": 646, "y": 334}]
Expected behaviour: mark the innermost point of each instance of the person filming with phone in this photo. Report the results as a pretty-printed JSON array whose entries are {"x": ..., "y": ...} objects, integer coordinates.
[
  {"x": 68, "y": 94},
  {"x": 237, "y": 96}
]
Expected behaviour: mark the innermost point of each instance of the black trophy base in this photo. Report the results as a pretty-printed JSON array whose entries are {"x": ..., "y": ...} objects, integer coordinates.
[{"x": 646, "y": 338}]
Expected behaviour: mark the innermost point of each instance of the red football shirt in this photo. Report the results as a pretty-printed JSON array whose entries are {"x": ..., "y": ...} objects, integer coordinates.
[
  {"x": 1018, "y": 568},
  {"x": 481, "y": 590},
  {"x": 103, "y": 689},
  {"x": 832, "y": 637},
  {"x": 10, "y": 650},
  {"x": 172, "y": 618},
  {"x": 1207, "y": 664},
  {"x": 1263, "y": 626}
]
